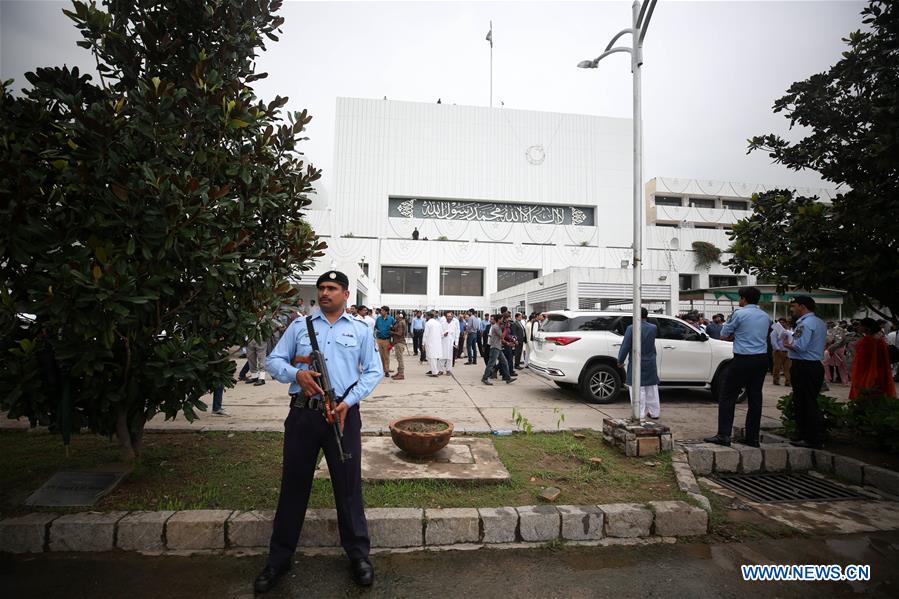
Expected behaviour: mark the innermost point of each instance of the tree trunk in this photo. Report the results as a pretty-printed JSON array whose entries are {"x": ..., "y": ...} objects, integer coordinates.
[{"x": 130, "y": 441}]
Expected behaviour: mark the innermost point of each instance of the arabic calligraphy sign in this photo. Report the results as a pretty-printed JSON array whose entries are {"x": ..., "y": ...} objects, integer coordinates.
[{"x": 498, "y": 212}]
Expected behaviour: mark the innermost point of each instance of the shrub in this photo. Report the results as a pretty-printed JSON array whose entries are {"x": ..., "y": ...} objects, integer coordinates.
[
  {"x": 875, "y": 416},
  {"x": 834, "y": 412}
]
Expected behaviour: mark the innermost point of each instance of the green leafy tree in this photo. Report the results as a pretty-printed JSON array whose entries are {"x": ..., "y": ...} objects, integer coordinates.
[
  {"x": 152, "y": 219},
  {"x": 852, "y": 113}
]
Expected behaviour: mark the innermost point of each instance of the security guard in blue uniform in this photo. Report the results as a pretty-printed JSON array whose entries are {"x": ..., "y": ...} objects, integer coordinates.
[
  {"x": 748, "y": 329},
  {"x": 355, "y": 370},
  {"x": 806, "y": 353}
]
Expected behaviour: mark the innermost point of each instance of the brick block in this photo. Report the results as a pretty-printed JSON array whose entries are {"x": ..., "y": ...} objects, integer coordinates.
[
  {"x": 727, "y": 459},
  {"x": 799, "y": 458},
  {"x": 686, "y": 482},
  {"x": 395, "y": 527},
  {"x": 450, "y": 526},
  {"x": 882, "y": 478},
  {"x": 539, "y": 522},
  {"x": 250, "y": 529},
  {"x": 750, "y": 458},
  {"x": 848, "y": 468},
  {"x": 320, "y": 529},
  {"x": 25, "y": 534},
  {"x": 626, "y": 520},
  {"x": 581, "y": 522},
  {"x": 500, "y": 524},
  {"x": 196, "y": 529},
  {"x": 85, "y": 531},
  {"x": 823, "y": 461},
  {"x": 700, "y": 458},
  {"x": 142, "y": 531},
  {"x": 648, "y": 446},
  {"x": 774, "y": 458},
  {"x": 679, "y": 519}
]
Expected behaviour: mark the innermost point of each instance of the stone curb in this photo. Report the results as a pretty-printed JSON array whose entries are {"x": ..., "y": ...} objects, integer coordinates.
[
  {"x": 189, "y": 531},
  {"x": 777, "y": 455}
]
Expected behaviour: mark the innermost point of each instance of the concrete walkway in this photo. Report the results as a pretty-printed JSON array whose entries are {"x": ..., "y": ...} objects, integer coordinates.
[
  {"x": 470, "y": 405},
  {"x": 696, "y": 570}
]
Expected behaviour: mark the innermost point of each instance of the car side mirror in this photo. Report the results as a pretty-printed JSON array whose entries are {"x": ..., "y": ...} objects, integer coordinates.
[{"x": 703, "y": 337}]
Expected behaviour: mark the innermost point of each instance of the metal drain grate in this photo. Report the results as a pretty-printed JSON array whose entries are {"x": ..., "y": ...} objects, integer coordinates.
[{"x": 781, "y": 486}]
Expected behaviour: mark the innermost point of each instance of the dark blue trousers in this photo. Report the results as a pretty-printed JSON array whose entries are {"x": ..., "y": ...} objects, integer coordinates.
[{"x": 305, "y": 432}]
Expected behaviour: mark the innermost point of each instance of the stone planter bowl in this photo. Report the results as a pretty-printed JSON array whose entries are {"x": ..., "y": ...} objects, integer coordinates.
[{"x": 420, "y": 444}]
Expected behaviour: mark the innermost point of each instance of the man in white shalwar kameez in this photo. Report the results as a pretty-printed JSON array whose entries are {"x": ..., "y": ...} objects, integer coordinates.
[
  {"x": 432, "y": 340},
  {"x": 450, "y": 326}
]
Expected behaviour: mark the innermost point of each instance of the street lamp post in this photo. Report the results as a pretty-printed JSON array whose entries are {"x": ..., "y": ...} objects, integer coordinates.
[{"x": 642, "y": 13}]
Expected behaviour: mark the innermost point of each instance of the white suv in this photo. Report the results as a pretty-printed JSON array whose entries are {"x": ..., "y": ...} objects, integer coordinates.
[{"x": 580, "y": 350}]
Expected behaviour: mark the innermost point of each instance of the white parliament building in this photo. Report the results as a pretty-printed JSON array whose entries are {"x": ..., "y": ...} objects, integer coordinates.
[{"x": 531, "y": 210}]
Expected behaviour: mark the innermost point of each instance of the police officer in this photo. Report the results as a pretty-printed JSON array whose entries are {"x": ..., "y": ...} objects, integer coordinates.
[
  {"x": 806, "y": 352},
  {"x": 748, "y": 329},
  {"x": 355, "y": 369}
]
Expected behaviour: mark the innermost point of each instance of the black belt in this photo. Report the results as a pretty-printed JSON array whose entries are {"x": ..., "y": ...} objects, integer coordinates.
[{"x": 298, "y": 400}]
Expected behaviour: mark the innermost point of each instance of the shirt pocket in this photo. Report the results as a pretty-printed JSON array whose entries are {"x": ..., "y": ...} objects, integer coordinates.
[{"x": 347, "y": 341}]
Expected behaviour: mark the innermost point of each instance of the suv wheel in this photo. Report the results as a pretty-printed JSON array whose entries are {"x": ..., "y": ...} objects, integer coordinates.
[
  {"x": 716, "y": 386},
  {"x": 600, "y": 384}
]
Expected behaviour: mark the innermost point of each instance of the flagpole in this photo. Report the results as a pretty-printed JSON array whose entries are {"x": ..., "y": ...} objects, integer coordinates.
[{"x": 491, "y": 64}]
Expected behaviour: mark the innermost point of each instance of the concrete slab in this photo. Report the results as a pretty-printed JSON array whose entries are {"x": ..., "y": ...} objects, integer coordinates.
[
  {"x": 464, "y": 458},
  {"x": 473, "y": 407},
  {"x": 837, "y": 517}
]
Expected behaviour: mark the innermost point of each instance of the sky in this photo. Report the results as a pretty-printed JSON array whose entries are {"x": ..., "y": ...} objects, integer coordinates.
[{"x": 711, "y": 73}]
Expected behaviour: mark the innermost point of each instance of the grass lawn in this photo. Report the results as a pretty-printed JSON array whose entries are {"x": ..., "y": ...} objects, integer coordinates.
[{"x": 242, "y": 471}]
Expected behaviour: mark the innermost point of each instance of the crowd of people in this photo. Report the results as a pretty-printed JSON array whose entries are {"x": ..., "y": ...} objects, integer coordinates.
[
  {"x": 862, "y": 353},
  {"x": 440, "y": 338}
]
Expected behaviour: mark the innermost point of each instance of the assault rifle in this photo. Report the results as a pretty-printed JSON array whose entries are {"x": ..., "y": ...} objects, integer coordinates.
[{"x": 329, "y": 399}]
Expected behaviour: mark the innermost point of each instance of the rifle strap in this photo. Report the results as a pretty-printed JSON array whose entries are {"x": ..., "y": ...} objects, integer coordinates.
[
  {"x": 312, "y": 338},
  {"x": 314, "y": 341}
]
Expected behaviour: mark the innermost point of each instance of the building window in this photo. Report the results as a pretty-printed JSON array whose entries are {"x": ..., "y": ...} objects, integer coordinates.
[
  {"x": 735, "y": 204},
  {"x": 668, "y": 201},
  {"x": 723, "y": 281},
  {"x": 672, "y": 225},
  {"x": 506, "y": 278},
  {"x": 408, "y": 280},
  {"x": 698, "y": 226},
  {"x": 701, "y": 203},
  {"x": 462, "y": 281},
  {"x": 685, "y": 282},
  {"x": 364, "y": 267}
]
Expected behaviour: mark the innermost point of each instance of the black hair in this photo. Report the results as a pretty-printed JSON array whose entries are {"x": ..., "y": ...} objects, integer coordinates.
[
  {"x": 644, "y": 313},
  {"x": 752, "y": 295}
]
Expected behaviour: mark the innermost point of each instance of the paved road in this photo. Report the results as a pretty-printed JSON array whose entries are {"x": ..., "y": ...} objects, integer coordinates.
[
  {"x": 681, "y": 570},
  {"x": 472, "y": 406}
]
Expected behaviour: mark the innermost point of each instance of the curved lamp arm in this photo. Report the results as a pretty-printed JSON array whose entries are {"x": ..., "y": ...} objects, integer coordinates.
[
  {"x": 591, "y": 64},
  {"x": 618, "y": 35}
]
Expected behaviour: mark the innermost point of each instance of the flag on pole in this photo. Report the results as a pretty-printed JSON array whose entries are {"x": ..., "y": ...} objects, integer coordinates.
[{"x": 490, "y": 36}]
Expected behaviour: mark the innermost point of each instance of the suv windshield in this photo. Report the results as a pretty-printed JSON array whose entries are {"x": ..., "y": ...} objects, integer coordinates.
[{"x": 558, "y": 323}]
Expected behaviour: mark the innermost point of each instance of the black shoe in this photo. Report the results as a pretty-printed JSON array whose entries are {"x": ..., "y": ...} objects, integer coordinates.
[
  {"x": 259, "y": 383},
  {"x": 807, "y": 444},
  {"x": 511, "y": 380},
  {"x": 250, "y": 381},
  {"x": 718, "y": 440},
  {"x": 363, "y": 573},
  {"x": 487, "y": 382},
  {"x": 267, "y": 579},
  {"x": 752, "y": 443}
]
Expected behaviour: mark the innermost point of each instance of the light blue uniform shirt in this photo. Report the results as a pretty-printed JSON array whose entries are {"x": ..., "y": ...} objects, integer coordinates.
[
  {"x": 473, "y": 325},
  {"x": 348, "y": 349},
  {"x": 749, "y": 327},
  {"x": 808, "y": 338},
  {"x": 418, "y": 324}
]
